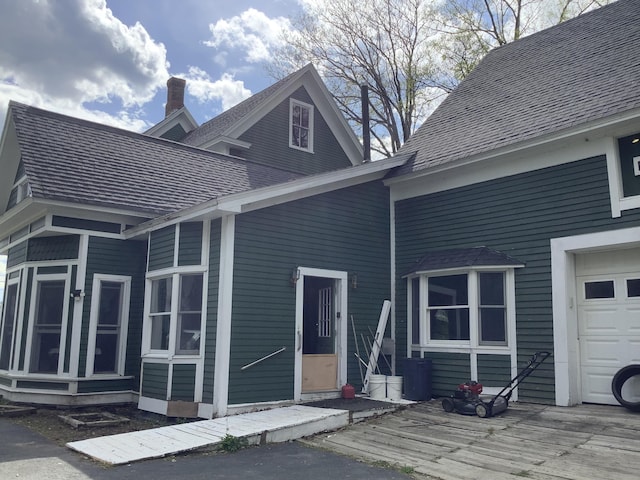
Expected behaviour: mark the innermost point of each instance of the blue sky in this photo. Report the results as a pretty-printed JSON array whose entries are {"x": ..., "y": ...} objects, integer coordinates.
[{"x": 109, "y": 60}]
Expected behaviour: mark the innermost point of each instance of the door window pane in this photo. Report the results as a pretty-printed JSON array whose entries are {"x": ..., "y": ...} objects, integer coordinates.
[
  {"x": 48, "y": 324},
  {"x": 11, "y": 300},
  {"x": 594, "y": 290},
  {"x": 633, "y": 287}
]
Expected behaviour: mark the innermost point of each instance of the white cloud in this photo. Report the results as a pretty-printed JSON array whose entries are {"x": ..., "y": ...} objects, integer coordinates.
[
  {"x": 226, "y": 90},
  {"x": 66, "y": 54},
  {"x": 252, "y": 32}
]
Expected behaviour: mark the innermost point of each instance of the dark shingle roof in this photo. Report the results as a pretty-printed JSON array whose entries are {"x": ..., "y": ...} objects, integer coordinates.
[
  {"x": 461, "y": 258},
  {"x": 73, "y": 160},
  {"x": 219, "y": 124},
  {"x": 583, "y": 70}
]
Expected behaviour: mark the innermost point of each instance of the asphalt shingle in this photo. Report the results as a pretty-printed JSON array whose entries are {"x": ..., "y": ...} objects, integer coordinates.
[
  {"x": 73, "y": 160},
  {"x": 583, "y": 70}
]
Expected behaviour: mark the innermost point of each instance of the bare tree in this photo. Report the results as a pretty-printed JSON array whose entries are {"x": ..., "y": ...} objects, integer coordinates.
[
  {"x": 410, "y": 52},
  {"x": 385, "y": 44},
  {"x": 473, "y": 27}
]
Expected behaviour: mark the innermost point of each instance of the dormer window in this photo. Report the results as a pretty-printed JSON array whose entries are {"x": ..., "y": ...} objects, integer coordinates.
[
  {"x": 21, "y": 190},
  {"x": 301, "y": 126}
]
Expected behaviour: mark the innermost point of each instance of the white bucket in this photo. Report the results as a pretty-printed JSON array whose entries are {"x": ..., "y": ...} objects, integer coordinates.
[
  {"x": 377, "y": 387},
  {"x": 394, "y": 387}
]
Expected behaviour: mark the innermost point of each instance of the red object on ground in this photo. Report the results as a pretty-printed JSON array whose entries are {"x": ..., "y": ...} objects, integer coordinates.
[{"x": 348, "y": 392}]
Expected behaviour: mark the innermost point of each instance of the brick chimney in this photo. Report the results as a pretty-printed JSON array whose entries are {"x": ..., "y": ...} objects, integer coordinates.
[{"x": 175, "y": 95}]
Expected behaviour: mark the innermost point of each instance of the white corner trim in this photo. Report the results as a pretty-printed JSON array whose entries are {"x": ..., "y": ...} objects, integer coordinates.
[
  {"x": 223, "y": 327},
  {"x": 565, "y": 317},
  {"x": 614, "y": 176}
]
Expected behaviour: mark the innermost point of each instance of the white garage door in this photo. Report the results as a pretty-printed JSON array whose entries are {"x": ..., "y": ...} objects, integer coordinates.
[{"x": 608, "y": 295}]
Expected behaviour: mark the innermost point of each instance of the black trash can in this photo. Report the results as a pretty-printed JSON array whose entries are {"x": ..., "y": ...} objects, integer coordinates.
[{"x": 417, "y": 378}]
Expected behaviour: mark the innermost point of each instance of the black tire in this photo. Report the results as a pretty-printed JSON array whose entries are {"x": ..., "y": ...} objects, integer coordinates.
[
  {"x": 619, "y": 379},
  {"x": 448, "y": 405}
]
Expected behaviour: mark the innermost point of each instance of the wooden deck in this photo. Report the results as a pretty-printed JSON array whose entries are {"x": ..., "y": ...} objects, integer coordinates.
[{"x": 529, "y": 441}]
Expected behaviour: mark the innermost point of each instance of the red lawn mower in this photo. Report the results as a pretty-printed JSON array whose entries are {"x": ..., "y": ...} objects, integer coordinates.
[{"x": 467, "y": 399}]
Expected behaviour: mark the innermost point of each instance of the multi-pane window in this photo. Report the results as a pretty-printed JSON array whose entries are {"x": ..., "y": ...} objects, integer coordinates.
[
  {"x": 110, "y": 324},
  {"x": 160, "y": 313},
  {"x": 301, "y": 120},
  {"x": 11, "y": 300},
  {"x": 189, "y": 314},
  {"x": 468, "y": 308},
  {"x": 45, "y": 349},
  {"x": 181, "y": 318}
]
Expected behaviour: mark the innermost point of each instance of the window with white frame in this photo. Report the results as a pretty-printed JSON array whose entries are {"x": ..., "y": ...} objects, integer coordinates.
[
  {"x": 50, "y": 311},
  {"x": 108, "y": 324},
  {"x": 175, "y": 326},
  {"x": 8, "y": 324},
  {"x": 466, "y": 308},
  {"x": 301, "y": 125}
]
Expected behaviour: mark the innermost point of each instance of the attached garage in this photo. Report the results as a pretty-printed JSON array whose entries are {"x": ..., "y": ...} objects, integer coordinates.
[{"x": 608, "y": 310}]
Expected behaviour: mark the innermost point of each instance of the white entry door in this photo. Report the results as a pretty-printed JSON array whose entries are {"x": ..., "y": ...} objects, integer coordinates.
[{"x": 608, "y": 295}]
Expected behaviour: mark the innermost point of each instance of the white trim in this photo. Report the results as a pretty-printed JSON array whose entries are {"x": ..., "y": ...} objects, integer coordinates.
[
  {"x": 565, "y": 316},
  {"x": 176, "y": 245},
  {"x": 181, "y": 117},
  {"x": 152, "y": 405},
  {"x": 341, "y": 330},
  {"x": 96, "y": 292},
  {"x": 223, "y": 327},
  {"x": 78, "y": 305},
  {"x": 614, "y": 175}
]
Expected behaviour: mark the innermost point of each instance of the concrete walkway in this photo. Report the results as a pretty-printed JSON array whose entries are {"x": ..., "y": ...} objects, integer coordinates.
[{"x": 268, "y": 426}]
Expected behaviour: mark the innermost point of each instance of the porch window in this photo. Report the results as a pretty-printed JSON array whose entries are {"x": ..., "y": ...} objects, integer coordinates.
[
  {"x": 301, "y": 126},
  {"x": 45, "y": 350},
  {"x": 175, "y": 325},
  {"x": 11, "y": 301},
  {"x": 108, "y": 326}
]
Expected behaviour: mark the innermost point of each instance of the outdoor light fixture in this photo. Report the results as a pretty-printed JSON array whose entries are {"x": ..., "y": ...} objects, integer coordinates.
[
  {"x": 295, "y": 276},
  {"x": 77, "y": 294},
  {"x": 354, "y": 281}
]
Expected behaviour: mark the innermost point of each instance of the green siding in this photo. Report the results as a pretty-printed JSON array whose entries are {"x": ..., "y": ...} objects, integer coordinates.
[
  {"x": 35, "y": 385},
  {"x": 17, "y": 255},
  {"x": 119, "y": 385},
  {"x": 269, "y": 140},
  {"x": 190, "y": 246},
  {"x": 68, "y": 336},
  {"x": 52, "y": 270},
  {"x": 448, "y": 370},
  {"x": 161, "y": 248},
  {"x": 154, "y": 380},
  {"x": 183, "y": 383},
  {"x": 494, "y": 370},
  {"x": 518, "y": 215},
  {"x": 5, "y": 381},
  {"x": 53, "y": 248},
  {"x": 83, "y": 224},
  {"x": 117, "y": 257},
  {"x": 212, "y": 312},
  {"x": 346, "y": 230},
  {"x": 175, "y": 133}
]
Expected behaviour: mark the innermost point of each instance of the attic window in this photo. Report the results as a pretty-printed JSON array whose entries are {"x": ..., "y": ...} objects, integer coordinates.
[
  {"x": 21, "y": 190},
  {"x": 301, "y": 126},
  {"x": 629, "y": 148}
]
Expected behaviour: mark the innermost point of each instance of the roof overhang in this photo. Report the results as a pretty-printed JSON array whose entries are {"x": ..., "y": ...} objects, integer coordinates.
[
  {"x": 275, "y": 195},
  {"x": 619, "y": 125},
  {"x": 223, "y": 143}
]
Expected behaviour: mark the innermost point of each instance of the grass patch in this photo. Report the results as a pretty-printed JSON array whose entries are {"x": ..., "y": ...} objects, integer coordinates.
[{"x": 231, "y": 443}]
